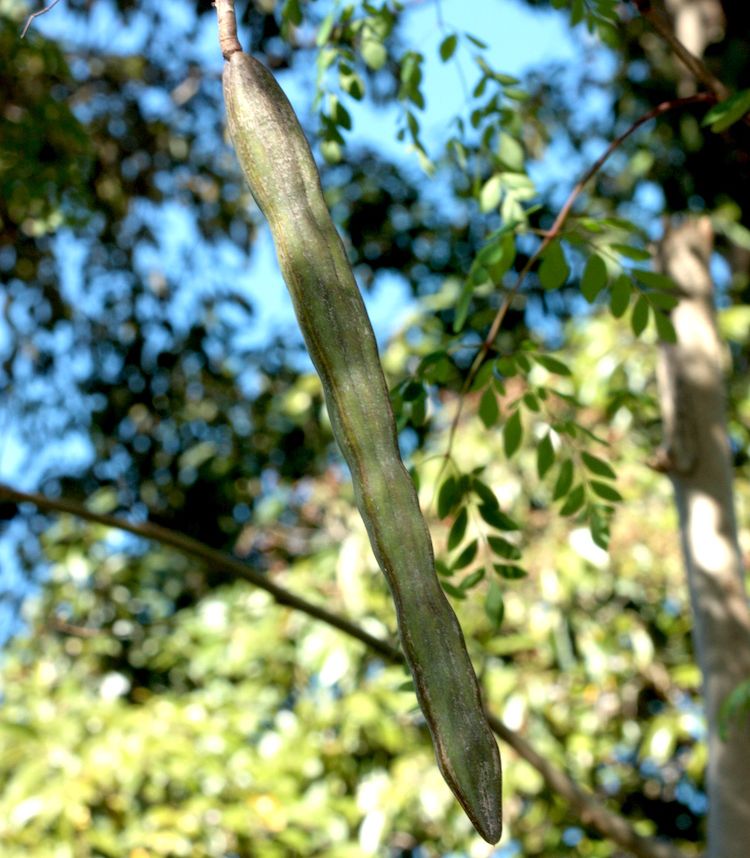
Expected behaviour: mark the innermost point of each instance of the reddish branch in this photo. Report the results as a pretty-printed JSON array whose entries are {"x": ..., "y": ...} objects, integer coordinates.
[
  {"x": 554, "y": 232},
  {"x": 36, "y": 15},
  {"x": 213, "y": 560},
  {"x": 693, "y": 64}
]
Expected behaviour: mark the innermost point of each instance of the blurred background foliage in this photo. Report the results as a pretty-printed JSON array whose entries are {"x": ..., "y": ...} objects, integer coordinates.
[{"x": 154, "y": 707}]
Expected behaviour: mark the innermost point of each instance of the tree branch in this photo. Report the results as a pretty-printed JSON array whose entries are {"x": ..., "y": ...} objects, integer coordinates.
[
  {"x": 212, "y": 558},
  {"x": 554, "y": 232},
  {"x": 227, "y": 23},
  {"x": 590, "y": 810},
  {"x": 36, "y": 15},
  {"x": 693, "y": 64}
]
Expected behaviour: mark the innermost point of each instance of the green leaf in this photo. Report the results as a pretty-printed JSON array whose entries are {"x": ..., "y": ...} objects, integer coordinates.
[
  {"x": 619, "y": 296},
  {"x": 483, "y": 376},
  {"x": 599, "y": 527},
  {"x": 489, "y": 196},
  {"x": 412, "y": 390},
  {"x": 654, "y": 280},
  {"x": 452, "y": 590},
  {"x": 517, "y": 94},
  {"x": 545, "y": 456},
  {"x": 475, "y": 41},
  {"x": 663, "y": 300},
  {"x": 458, "y": 529},
  {"x": 552, "y": 364},
  {"x": 573, "y": 502},
  {"x": 496, "y": 518},
  {"x": 442, "y": 568},
  {"x": 467, "y": 556},
  {"x": 637, "y": 254},
  {"x": 373, "y": 52},
  {"x": 292, "y": 12},
  {"x": 325, "y": 29},
  {"x": 503, "y": 548},
  {"x": 462, "y": 306},
  {"x": 512, "y": 434},
  {"x": 490, "y": 254},
  {"x": 553, "y": 271},
  {"x": 499, "y": 266},
  {"x": 414, "y": 474},
  {"x": 510, "y": 152},
  {"x": 419, "y": 411},
  {"x": 726, "y": 113},
  {"x": 605, "y": 491},
  {"x": 564, "y": 480},
  {"x": 351, "y": 83},
  {"x": 523, "y": 361},
  {"x": 509, "y": 571},
  {"x": 594, "y": 278},
  {"x": 480, "y": 87},
  {"x": 639, "y": 317},
  {"x": 472, "y": 580},
  {"x": 447, "y": 497},
  {"x": 488, "y": 410},
  {"x": 494, "y": 606},
  {"x": 664, "y": 327},
  {"x": 484, "y": 493},
  {"x": 341, "y": 115},
  {"x": 598, "y": 466},
  {"x": 448, "y": 47},
  {"x": 577, "y": 12}
]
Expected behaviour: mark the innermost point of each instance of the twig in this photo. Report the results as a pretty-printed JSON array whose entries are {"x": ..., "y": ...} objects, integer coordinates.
[
  {"x": 36, "y": 15},
  {"x": 590, "y": 810},
  {"x": 59, "y": 625},
  {"x": 554, "y": 232},
  {"x": 693, "y": 64},
  {"x": 227, "y": 23},
  {"x": 213, "y": 559}
]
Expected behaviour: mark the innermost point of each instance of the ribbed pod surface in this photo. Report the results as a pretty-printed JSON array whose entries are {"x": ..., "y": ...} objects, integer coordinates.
[{"x": 283, "y": 177}]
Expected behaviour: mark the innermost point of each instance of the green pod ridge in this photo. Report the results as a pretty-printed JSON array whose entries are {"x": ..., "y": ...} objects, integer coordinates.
[{"x": 283, "y": 177}]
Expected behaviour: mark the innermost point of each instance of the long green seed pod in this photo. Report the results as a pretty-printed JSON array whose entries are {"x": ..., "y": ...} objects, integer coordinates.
[{"x": 285, "y": 182}]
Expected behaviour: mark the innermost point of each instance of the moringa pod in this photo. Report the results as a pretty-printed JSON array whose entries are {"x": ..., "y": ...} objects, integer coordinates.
[{"x": 283, "y": 177}]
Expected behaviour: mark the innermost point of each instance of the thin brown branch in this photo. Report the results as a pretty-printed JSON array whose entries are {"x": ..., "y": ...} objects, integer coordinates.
[
  {"x": 59, "y": 625},
  {"x": 36, "y": 15},
  {"x": 213, "y": 559},
  {"x": 590, "y": 810},
  {"x": 227, "y": 22},
  {"x": 554, "y": 232},
  {"x": 693, "y": 64}
]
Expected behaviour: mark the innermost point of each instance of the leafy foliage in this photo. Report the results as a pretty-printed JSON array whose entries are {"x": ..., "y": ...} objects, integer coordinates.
[{"x": 152, "y": 706}]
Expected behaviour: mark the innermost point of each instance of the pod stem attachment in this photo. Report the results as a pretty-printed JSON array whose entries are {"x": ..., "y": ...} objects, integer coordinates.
[{"x": 228, "y": 40}]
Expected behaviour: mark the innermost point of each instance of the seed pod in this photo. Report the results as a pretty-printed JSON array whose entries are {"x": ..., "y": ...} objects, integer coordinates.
[{"x": 279, "y": 167}]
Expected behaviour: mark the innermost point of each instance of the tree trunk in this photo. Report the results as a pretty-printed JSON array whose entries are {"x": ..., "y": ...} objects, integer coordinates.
[{"x": 696, "y": 456}]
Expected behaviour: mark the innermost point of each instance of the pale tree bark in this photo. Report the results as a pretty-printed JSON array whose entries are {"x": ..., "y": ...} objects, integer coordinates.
[
  {"x": 696, "y": 455},
  {"x": 697, "y": 23}
]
